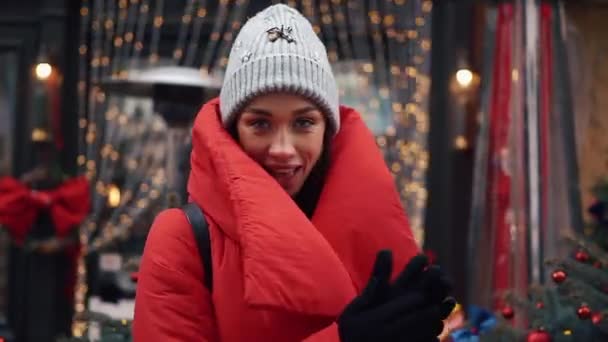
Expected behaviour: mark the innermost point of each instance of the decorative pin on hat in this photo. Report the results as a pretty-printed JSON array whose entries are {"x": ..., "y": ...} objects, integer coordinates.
[{"x": 283, "y": 33}]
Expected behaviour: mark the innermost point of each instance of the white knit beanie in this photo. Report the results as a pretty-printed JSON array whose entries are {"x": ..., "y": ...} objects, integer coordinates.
[{"x": 277, "y": 50}]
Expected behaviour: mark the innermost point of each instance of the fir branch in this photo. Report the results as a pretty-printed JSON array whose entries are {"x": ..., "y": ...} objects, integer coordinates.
[
  {"x": 519, "y": 301},
  {"x": 593, "y": 249},
  {"x": 584, "y": 272},
  {"x": 581, "y": 292},
  {"x": 603, "y": 324}
]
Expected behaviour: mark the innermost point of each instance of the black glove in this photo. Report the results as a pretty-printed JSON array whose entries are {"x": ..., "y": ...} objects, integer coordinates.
[
  {"x": 418, "y": 275},
  {"x": 376, "y": 315},
  {"x": 429, "y": 280}
]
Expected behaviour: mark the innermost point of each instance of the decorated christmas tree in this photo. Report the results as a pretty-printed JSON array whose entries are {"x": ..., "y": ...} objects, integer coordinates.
[{"x": 573, "y": 307}]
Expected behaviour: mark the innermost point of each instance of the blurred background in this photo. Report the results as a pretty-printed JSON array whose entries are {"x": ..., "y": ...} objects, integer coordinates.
[{"x": 491, "y": 116}]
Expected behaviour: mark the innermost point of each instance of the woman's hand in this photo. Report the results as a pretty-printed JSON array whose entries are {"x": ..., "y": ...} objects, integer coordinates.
[
  {"x": 418, "y": 275},
  {"x": 409, "y": 309}
]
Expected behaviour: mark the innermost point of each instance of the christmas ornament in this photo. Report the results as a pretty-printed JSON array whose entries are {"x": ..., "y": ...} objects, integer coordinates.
[
  {"x": 581, "y": 256},
  {"x": 559, "y": 276},
  {"x": 597, "y": 264},
  {"x": 583, "y": 312},
  {"x": 540, "y": 305},
  {"x": 507, "y": 312},
  {"x": 539, "y": 336},
  {"x": 596, "y": 318}
]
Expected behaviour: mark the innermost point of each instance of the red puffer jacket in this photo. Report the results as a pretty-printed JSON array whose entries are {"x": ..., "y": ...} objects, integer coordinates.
[{"x": 278, "y": 276}]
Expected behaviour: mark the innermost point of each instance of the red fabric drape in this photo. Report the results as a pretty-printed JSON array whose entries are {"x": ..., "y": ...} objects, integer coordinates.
[
  {"x": 546, "y": 70},
  {"x": 68, "y": 205},
  {"x": 499, "y": 181}
]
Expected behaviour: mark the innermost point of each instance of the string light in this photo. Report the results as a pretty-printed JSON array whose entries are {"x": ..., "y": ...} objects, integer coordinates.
[
  {"x": 358, "y": 29},
  {"x": 98, "y": 18},
  {"x": 425, "y": 44},
  {"x": 78, "y": 326},
  {"x": 138, "y": 46},
  {"x": 109, "y": 155},
  {"x": 328, "y": 31},
  {"x": 464, "y": 77},
  {"x": 375, "y": 20},
  {"x": 122, "y": 53},
  {"x": 461, "y": 142},
  {"x": 201, "y": 14},
  {"x": 391, "y": 77},
  {"x": 236, "y": 17},
  {"x": 340, "y": 19},
  {"x": 186, "y": 21},
  {"x": 394, "y": 49},
  {"x": 309, "y": 12},
  {"x": 43, "y": 71},
  {"x": 515, "y": 75},
  {"x": 146, "y": 160},
  {"x": 109, "y": 41},
  {"x": 157, "y": 24},
  {"x": 407, "y": 48},
  {"x": 97, "y": 125},
  {"x": 113, "y": 196},
  {"x": 218, "y": 24},
  {"x": 427, "y": 6}
]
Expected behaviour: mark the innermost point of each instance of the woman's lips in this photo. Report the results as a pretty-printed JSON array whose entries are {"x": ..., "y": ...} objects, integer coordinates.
[{"x": 285, "y": 175}]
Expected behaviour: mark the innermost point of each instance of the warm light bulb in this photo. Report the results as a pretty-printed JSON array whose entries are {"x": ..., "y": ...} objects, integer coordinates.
[
  {"x": 43, "y": 71},
  {"x": 113, "y": 196},
  {"x": 464, "y": 77},
  {"x": 461, "y": 142}
]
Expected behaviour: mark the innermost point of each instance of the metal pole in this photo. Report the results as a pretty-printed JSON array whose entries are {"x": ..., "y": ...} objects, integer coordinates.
[{"x": 531, "y": 37}]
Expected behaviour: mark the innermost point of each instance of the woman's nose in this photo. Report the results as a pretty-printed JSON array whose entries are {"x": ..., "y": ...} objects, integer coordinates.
[{"x": 282, "y": 146}]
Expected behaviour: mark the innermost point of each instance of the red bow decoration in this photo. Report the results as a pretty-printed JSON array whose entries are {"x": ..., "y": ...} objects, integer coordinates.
[{"x": 68, "y": 205}]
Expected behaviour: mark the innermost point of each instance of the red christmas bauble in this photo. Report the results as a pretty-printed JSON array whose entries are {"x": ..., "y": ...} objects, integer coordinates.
[
  {"x": 583, "y": 312},
  {"x": 559, "y": 276},
  {"x": 539, "y": 336},
  {"x": 597, "y": 264},
  {"x": 540, "y": 305},
  {"x": 582, "y": 256},
  {"x": 596, "y": 317},
  {"x": 507, "y": 312}
]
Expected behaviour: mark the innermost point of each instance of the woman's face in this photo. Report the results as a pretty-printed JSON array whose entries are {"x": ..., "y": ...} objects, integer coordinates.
[{"x": 284, "y": 134}]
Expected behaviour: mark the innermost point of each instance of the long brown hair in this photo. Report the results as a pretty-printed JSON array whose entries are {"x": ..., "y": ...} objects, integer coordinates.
[{"x": 309, "y": 195}]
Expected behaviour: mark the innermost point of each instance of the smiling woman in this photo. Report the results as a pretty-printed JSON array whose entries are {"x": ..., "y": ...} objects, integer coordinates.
[{"x": 299, "y": 203}]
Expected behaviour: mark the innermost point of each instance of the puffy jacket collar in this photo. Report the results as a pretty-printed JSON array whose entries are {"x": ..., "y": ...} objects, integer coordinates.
[{"x": 288, "y": 261}]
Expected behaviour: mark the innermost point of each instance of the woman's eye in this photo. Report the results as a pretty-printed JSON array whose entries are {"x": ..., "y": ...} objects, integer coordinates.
[
  {"x": 260, "y": 124},
  {"x": 304, "y": 123}
]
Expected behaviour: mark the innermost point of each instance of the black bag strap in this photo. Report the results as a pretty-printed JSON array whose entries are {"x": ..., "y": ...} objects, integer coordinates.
[{"x": 203, "y": 240}]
